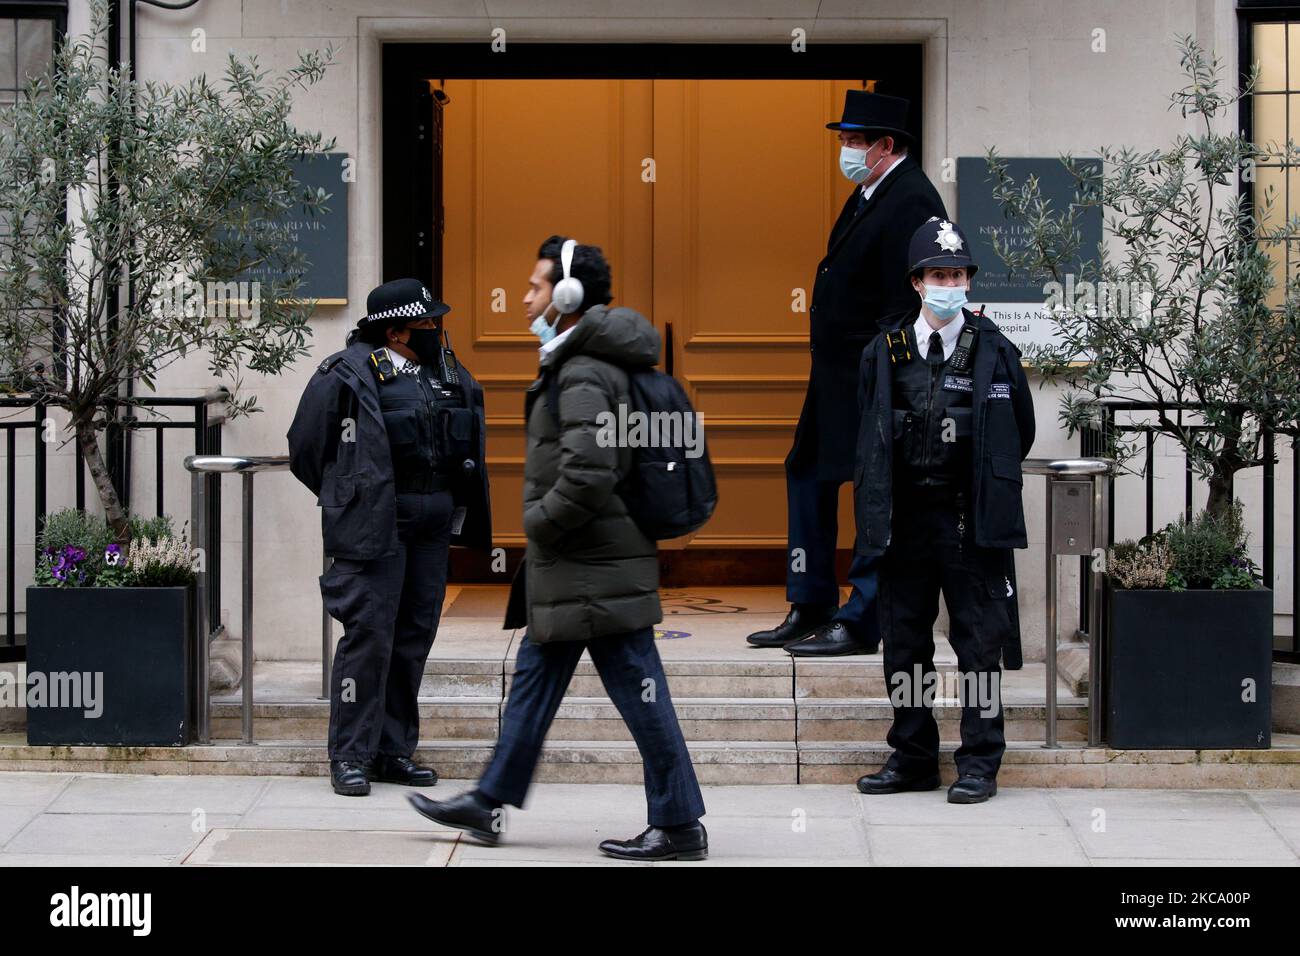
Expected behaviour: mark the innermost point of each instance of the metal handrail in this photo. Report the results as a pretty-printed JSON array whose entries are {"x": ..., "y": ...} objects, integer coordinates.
[
  {"x": 1067, "y": 466},
  {"x": 247, "y": 466},
  {"x": 1094, "y": 471}
]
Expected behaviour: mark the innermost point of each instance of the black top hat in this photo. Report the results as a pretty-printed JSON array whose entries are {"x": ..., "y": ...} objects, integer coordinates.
[
  {"x": 874, "y": 113},
  {"x": 401, "y": 301},
  {"x": 939, "y": 243}
]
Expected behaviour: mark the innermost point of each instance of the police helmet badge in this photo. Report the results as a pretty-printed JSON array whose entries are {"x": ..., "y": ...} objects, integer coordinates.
[{"x": 947, "y": 239}]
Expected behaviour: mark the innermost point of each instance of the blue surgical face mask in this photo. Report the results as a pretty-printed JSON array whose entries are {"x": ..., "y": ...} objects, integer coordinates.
[
  {"x": 853, "y": 164},
  {"x": 945, "y": 301},
  {"x": 541, "y": 328}
]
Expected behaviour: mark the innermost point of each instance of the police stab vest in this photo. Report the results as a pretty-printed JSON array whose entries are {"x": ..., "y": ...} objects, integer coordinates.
[{"x": 931, "y": 411}]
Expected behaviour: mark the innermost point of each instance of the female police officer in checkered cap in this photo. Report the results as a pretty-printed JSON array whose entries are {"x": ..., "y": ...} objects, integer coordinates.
[{"x": 390, "y": 437}]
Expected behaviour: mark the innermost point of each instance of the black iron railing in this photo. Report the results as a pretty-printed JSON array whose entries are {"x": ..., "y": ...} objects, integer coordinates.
[
  {"x": 1121, "y": 419},
  {"x": 22, "y": 414}
]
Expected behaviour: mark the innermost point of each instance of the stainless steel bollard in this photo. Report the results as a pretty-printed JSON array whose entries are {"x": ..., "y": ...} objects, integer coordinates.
[
  {"x": 198, "y": 531},
  {"x": 246, "y": 637},
  {"x": 1076, "y": 522},
  {"x": 200, "y": 466}
]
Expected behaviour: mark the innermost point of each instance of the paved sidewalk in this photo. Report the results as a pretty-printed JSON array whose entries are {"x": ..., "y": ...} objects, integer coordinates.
[{"x": 53, "y": 819}]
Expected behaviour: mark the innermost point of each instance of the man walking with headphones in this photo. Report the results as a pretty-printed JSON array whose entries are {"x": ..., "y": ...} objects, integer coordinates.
[{"x": 590, "y": 578}]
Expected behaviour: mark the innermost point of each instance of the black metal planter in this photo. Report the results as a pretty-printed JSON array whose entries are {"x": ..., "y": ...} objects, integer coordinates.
[
  {"x": 1179, "y": 664},
  {"x": 117, "y": 666}
]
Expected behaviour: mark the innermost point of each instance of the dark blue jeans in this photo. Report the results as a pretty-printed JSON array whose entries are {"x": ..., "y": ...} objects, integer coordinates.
[
  {"x": 633, "y": 676},
  {"x": 813, "y": 513}
]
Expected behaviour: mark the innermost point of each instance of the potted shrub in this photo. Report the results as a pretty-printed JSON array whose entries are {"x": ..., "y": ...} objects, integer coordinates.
[
  {"x": 110, "y": 634},
  {"x": 1189, "y": 660}
]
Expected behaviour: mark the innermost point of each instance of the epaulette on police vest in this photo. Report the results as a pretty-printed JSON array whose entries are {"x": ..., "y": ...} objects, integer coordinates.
[{"x": 329, "y": 363}]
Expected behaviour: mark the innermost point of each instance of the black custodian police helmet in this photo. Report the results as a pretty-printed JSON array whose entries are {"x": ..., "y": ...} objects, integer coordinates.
[
  {"x": 939, "y": 244},
  {"x": 401, "y": 301}
]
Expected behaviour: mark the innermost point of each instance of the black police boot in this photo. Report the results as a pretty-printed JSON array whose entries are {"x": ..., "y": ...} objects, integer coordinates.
[
  {"x": 688, "y": 842},
  {"x": 972, "y": 789},
  {"x": 403, "y": 770},
  {"x": 830, "y": 640},
  {"x": 349, "y": 777},
  {"x": 469, "y": 811},
  {"x": 889, "y": 780},
  {"x": 802, "y": 620}
]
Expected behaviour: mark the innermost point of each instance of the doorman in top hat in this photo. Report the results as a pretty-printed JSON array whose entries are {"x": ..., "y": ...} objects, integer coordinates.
[
  {"x": 947, "y": 418},
  {"x": 390, "y": 436},
  {"x": 861, "y": 285}
]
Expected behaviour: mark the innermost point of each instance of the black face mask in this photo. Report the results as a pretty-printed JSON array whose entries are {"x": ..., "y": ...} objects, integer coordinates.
[{"x": 426, "y": 344}]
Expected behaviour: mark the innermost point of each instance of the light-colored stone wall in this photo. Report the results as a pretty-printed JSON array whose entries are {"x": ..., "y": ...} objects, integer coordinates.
[{"x": 1018, "y": 74}]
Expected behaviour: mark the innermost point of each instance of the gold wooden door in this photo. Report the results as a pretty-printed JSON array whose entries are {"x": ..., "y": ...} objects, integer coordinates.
[
  {"x": 747, "y": 190},
  {"x": 712, "y": 200},
  {"x": 523, "y": 159}
]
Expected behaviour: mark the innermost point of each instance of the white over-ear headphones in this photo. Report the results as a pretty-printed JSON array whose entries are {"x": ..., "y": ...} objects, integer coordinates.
[{"x": 568, "y": 292}]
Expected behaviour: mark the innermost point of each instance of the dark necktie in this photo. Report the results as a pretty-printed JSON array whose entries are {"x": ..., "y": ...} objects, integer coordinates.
[
  {"x": 934, "y": 351},
  {"x": 862, "y": 201}
]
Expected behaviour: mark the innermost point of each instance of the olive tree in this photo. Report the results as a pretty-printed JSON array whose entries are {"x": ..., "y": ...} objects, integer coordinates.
[
  {"x": 1179, "y": 306},
  {"x": 129, "y": 214}
]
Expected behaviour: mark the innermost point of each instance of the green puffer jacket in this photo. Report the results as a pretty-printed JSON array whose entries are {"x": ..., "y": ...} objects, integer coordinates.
[{"x": 590, "y": 572}]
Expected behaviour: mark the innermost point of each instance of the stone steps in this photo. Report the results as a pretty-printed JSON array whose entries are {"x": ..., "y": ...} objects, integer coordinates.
[
  {"x": 768, "y": 676},
  {"x": 1026, "y": 764},
  {"x": 702, "y": 719}
]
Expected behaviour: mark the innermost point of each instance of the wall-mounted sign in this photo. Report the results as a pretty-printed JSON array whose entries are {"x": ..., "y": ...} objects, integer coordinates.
[
  {"x": 1015, "y": 301},
  {"x": 321, "y": 236}
]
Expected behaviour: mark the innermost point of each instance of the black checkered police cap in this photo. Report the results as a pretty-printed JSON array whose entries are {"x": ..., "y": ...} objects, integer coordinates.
[{"x": 399, "y": 302}]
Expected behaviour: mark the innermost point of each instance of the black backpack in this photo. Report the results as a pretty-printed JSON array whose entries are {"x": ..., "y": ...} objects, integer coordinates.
[{"x": 666, "y": 493}]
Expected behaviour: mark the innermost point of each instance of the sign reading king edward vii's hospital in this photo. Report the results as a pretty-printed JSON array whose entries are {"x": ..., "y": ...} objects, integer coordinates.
[
  {"x": 321, "y": 235},
  {"x": 1016, "y": 301}
]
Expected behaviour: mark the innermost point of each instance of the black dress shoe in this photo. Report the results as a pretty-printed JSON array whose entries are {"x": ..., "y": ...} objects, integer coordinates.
[
  {"x": 972, "y": 789},
  {"x": 348, "y": 778},
  {"x": 403, "y": 770},
  {"x": 680, "y": 843},
  {"x": 802, "y": 620},
  {"x": 468, "y": 811},
  {"x": 889, "y": 780},
  {"x": 831, "y": 640}
]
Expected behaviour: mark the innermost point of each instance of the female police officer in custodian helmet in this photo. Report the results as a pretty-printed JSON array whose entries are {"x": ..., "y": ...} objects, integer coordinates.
[{"x": 390, "y": 436}]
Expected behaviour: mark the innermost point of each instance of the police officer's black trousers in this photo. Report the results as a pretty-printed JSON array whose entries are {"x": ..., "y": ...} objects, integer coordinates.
[
  {"x": 389, "y": 608},
  {"x": 927, "y": 556}
]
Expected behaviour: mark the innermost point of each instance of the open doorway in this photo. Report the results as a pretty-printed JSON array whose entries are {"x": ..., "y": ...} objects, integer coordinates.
[{"x": 706, "y": 174}]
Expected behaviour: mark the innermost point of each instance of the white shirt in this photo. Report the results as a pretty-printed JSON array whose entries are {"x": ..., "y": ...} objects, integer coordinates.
[
  {"x": 868, "y": 190},
  {"x": 401, "y": 363},
  {"x": 947, "y": 334},
  {"x": 552, "y": 345}
]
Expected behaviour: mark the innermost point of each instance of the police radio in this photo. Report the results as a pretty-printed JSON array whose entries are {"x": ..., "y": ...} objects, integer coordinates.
[
  {"x": 960, "y": 360},
  {"x": 382, "y": 363},
  {"x": 449, "y": 373}
]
